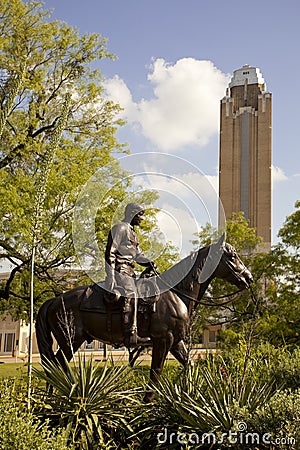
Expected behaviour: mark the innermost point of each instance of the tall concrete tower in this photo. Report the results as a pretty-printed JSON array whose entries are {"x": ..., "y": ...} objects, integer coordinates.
[{"x": 246, "y": 150}]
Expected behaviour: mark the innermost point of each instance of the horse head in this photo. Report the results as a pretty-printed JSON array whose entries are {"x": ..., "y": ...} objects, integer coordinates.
[
  {"x": 232, "y": 269},
  {"x": 223, "y": 262}
]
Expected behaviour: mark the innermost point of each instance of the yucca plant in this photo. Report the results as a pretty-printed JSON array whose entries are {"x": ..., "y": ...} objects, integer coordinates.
[
  {"x": 207, "y": 398},
  {"x": 88, "y": 399}
]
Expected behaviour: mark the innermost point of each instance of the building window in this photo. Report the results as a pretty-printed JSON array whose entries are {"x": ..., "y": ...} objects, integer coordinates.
[
  {"x": 89, "y": 345},
  {"x": 100, "y": 345},
  {"x": 212, "y": 336},
  {"x": 9, "y": 341}
]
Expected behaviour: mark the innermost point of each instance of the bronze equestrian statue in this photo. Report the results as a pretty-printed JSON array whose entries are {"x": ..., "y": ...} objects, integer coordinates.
[
  {"x": 166, "y": 325},
  {"x": 122, "y": 251}
]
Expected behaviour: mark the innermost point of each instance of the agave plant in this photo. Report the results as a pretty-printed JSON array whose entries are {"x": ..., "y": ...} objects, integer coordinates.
[
  {"x": 88, "y": 399},
  {"x": 207, "y": 398}
]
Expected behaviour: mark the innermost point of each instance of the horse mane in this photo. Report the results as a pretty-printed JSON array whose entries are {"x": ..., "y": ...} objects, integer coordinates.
[{"x": 187, "y": 271}]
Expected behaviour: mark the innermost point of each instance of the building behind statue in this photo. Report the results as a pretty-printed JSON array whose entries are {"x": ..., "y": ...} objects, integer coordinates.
[{"x": 245, "y": 182}]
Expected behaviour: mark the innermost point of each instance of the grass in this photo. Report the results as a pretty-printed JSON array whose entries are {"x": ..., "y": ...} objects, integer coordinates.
[{"x": 19, "y": 370}]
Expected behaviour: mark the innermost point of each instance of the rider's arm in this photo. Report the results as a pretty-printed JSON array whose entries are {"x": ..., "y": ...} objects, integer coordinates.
[
  {"x": 114, "y": 238},
  {"x": 142, "y": 259},
  {"x": 111, "y": 250}
]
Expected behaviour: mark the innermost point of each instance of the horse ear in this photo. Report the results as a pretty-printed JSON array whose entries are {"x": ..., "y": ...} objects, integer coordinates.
[
  {"x": 212, "y": 260},
  {"x": 221, "y": 240},
  {"x": 217, "y": 246}
]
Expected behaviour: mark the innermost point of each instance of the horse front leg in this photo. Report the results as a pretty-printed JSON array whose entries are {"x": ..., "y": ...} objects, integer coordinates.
[
  {"x": 160, "y": 349},
  {"x": 134, "y": 354}
]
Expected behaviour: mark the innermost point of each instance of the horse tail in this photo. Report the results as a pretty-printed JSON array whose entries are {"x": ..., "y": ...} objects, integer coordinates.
[{"x": 43, "y": 332}]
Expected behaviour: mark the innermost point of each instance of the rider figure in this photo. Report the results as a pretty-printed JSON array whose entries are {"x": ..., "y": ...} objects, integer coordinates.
[{"x": 122, "y": 251}]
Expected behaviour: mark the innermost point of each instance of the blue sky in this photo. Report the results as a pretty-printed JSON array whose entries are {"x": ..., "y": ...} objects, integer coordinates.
[{"x": 175, "y": 59}]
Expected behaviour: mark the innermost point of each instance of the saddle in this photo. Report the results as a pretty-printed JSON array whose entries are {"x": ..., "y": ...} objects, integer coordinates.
[{"x": 96, "y": 298}]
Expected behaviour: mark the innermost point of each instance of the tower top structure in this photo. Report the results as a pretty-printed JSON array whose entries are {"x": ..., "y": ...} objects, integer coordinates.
[{"x": 248, "y": 74}]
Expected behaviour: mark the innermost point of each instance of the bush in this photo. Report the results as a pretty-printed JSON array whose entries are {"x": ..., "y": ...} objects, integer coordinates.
[
  {"x": 277, "y": 365},
  {"x": 19, "y": 430},
  {"x": 208, "y": 398},
  {"x": 100, "y": 407},
  {"x": 278, "y": 419},
  {"x": 286, "y": 370}
]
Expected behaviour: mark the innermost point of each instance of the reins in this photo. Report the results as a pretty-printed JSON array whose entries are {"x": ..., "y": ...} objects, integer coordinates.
[
  {"x": 200, "y": 302},
  {"x": 253, "y": 298}
]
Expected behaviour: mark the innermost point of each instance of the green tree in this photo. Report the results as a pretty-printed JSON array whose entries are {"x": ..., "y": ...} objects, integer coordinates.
[
  {"x": 41, "y": 61},
  {"x": 282, "y": 322},
  {"x": 238, "y": 233},
  {"x": 290, "y": 231},
  {"x": 272, "y": 312},
  {"x": 49, "y": 59},
  {"x": 223, "y": 311}
]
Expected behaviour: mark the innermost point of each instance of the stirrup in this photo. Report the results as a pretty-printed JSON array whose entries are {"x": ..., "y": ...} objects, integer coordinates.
[{"x": 134, "y": 340}]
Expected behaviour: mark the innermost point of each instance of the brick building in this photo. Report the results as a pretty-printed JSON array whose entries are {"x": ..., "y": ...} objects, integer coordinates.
[{"x": 246, "y": 150}]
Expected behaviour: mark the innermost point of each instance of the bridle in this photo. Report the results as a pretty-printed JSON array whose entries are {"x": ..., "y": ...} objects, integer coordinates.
[
  {"x": 200, "y": 302},
  {"x": 227, "y": 262}
]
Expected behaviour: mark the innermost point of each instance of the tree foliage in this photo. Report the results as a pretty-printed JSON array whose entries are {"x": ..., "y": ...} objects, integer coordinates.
[
  {"x": 290, "y": 231},
  {"x": 42, "y": 61},
  {"x": 271, "y": 309},
  {"x": 48, "y": 59},
  {"x": 238, "y": 233}
]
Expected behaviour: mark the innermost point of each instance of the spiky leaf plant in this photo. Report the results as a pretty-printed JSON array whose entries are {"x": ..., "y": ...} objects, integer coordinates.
[
  {"x": 88, "y": 399},
  {"x": 207, "y": 398}
]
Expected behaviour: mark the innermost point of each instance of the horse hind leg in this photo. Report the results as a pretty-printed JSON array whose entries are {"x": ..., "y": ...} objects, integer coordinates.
[
  {"x": 62, "y": 356},
  {"x": 67, "y": 351},
  {"x": 64, "y": 353}
]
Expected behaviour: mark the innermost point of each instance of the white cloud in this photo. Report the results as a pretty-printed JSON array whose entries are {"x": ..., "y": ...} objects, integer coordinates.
[
  {"x": 186, "y": 202},
  {"x": 118, "y": 92},
  {"x": 184, "y": 109},
  {"x": 278, "y": 174},
  {"x": 190, "y": 186},
  {"x": 177, "y": 227}
]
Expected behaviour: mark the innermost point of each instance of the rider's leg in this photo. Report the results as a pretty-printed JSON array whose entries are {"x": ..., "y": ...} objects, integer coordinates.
[
  {"x": 130, "y": 324},
  {"x": 130, "y": 311},
  {"x": 127, "y": 315}
]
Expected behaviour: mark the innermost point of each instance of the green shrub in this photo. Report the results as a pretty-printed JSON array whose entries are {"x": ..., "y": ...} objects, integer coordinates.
[
  {"x": 277, "y": 365},
  {"x": 19, "y": 430},
  {"x": 280, "y": 418},
  {"x": 286, "y": 370},
  {"x": 208, "y": 398}
]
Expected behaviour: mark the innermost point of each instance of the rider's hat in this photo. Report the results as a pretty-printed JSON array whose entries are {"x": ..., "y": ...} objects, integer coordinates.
[{"x": 132, "y": 209}]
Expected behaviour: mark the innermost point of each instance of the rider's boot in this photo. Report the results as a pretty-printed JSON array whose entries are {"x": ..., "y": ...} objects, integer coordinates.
[{"x": 130, "y": 330}]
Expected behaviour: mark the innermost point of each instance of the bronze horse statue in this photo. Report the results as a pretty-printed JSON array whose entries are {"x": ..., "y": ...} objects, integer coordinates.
[{"x": 71, "y": 323}]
